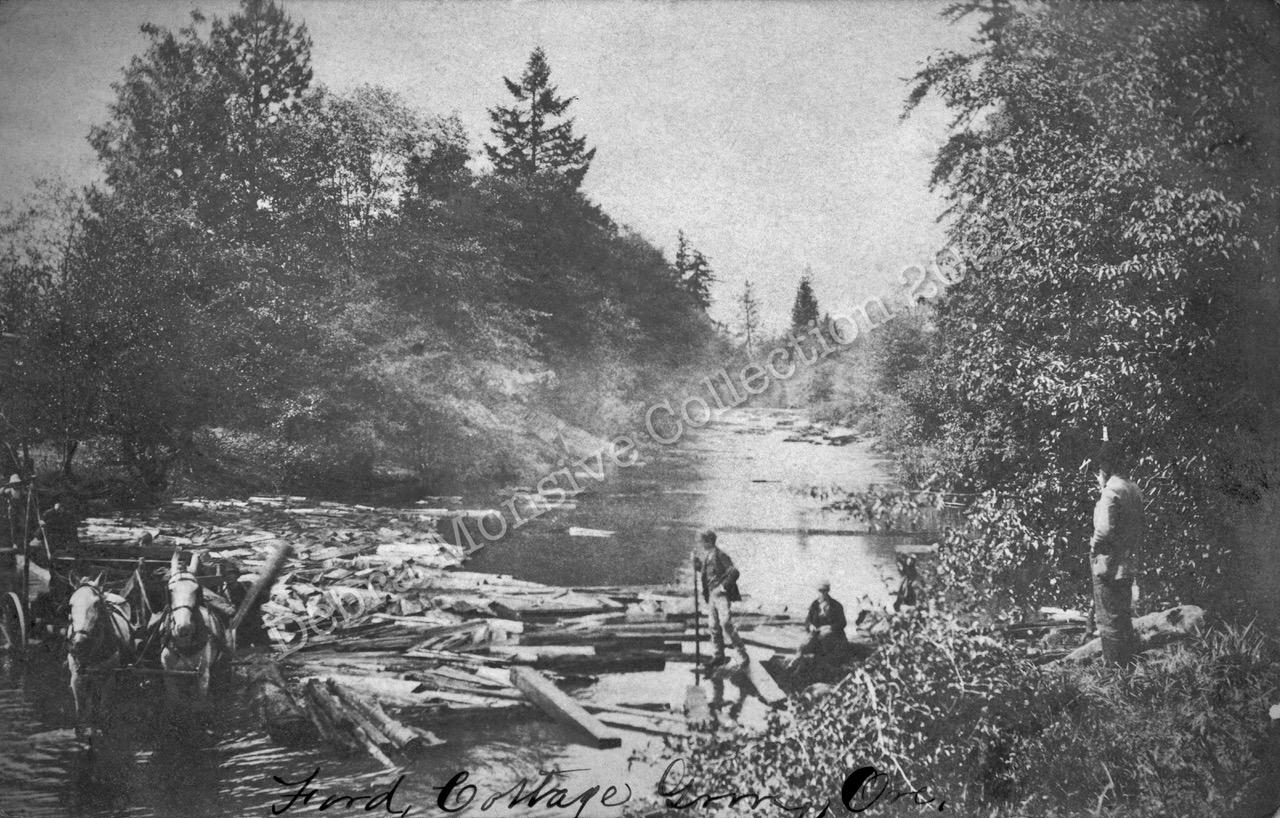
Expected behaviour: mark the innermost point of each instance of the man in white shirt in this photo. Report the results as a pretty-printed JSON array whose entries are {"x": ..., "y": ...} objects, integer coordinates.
[{"x": 1114, "y": 553}]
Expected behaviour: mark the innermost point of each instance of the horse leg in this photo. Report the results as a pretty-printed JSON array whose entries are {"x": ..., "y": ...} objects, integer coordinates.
[
  {"x": 103, "y": 711},
  {"x": 172, "y": 688},
  {"x": 77, "y": 695}
]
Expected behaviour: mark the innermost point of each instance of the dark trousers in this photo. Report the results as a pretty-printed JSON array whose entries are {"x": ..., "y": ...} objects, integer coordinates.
[{"x": 1113, "y": 614}]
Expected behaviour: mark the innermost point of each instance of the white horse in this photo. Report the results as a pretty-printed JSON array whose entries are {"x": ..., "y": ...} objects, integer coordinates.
[
  {"x": 99, "y": 640},
  {"x": 195, "y": 639}
]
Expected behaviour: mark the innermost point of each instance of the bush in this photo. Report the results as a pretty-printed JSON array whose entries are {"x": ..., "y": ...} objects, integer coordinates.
[{"x": 964, "y": 717}]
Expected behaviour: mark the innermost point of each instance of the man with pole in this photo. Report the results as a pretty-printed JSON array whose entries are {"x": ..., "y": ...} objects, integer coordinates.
[{"x": 720, "y": 590}]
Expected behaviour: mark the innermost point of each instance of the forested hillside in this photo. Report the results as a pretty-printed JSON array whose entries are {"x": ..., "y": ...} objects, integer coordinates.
[{"x": 276, "y": 276}]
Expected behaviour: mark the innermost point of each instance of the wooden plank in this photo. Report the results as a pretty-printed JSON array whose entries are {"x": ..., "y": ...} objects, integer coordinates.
[
  {"x": 764, "y": 684},
  {"x": 560, "y": 706}
]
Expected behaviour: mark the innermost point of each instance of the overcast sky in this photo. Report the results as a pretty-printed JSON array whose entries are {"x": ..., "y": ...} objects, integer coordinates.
[{"x": 769, "y": 132}]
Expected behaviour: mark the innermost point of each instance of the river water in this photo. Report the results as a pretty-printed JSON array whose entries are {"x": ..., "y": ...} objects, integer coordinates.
[{"x": 737, "y": 476}]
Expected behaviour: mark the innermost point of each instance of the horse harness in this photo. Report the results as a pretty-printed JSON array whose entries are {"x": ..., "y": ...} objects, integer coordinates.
[
  {"x": 200, "y": 632},
  {"x": 91, "y": 660}
]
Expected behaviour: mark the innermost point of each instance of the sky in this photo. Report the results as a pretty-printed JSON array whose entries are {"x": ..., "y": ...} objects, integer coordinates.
[{"x": 769, "y": 132}]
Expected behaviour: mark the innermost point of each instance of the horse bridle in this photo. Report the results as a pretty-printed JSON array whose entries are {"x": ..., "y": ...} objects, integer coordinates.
[
  {"x": 94, "y": 633},
  {"x": 198, "y": 624}
]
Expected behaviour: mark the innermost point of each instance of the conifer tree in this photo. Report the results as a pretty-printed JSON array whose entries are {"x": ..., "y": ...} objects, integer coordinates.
[
  {"x": 533, "y": 135},
  {"x": 805, "y": 310},
  {"x": 750, "y": 316},
  {"x": 693, "y": 271}
]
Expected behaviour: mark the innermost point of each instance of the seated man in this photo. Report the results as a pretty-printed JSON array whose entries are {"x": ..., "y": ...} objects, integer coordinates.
[{"x": 826, "y": 624}]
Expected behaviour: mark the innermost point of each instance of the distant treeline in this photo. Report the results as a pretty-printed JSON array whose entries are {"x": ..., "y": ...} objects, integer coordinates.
[{"x": 320, "y": 283}]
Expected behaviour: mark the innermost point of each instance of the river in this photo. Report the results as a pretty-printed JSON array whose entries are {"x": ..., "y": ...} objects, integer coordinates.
[{"x": 737, "y": 476}]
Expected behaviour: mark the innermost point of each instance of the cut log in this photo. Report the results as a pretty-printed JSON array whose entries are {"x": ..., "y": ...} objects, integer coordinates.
[
  {"x": 280, "y": 715},
  {"x": 562, "y": 707},
  {"x": 266, "y": 578},
  {"x": 642, "y": 724},
  {"x": 404, "y": 739},
  {"x": 355, "y": 727},
  {"x": 629, "y": 662},
  {"x": 579, "y": 531},
  {"x": 329, "y": 730},
  {"x": 766, "y": 688},
  {"x": 356, "y": 717},
  {"x": 540, "y": 653},
  {"x": 1154, "y": 630}
]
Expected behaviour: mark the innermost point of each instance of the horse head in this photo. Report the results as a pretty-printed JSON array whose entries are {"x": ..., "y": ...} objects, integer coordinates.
[
  {"x": 88, "y": 608},
  {"x": 185, "y": 598}
]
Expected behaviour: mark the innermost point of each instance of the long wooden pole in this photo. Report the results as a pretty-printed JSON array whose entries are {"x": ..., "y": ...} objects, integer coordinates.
[
  {"x": 265, "y": 580},
  {"x": 697, "y": 629}
]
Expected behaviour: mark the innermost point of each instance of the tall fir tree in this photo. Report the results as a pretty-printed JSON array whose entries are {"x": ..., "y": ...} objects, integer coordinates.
[
  {"x": 749, "y": 313},
  {"x": 805, "y": 309},
  {"x": 530, "y": 139},
  {"x": 693, "y": 271}
]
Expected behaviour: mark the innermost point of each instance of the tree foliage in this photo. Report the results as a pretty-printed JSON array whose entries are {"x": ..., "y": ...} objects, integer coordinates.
[
  {"x": 530, "y": 139},
  {"x": 319, "y": 280},
  {"x": 804, "y": 312},
  {"x": 1112, "y": 180},
  {"x": 749, "y": 318},
  {"x": 694, "y": 272}
]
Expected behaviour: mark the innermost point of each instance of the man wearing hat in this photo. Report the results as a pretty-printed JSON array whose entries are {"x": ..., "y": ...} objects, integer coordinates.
[
  {"x": 826, "y": 624},
  {"x": 1114, "y": 552},
  {"x": 720, "y": 589}
]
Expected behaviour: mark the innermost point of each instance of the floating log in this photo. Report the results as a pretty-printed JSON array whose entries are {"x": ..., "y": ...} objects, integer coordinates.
[
  {"x": 764, "y": 684},
  {"x": 404, "y": 739},
  {"x": 530, "y": 655},
  {"x": 459, "y": 658},
  {"x": 266, "y": 578},
  {"x": 379, "y": 686},
  {"x": 280, "y": 715},
  {"x": 327, "y": 727},
  {"x": 631, "y": 662},
  {"x": 915, "y": 548},
  {"x": 627, "y": 721},
  {"x": 354, "y": 725},
  {"x": 562, "y": 707},
  {"x": 1154, "y": 630},
  {"x": 579, "y": 531}
]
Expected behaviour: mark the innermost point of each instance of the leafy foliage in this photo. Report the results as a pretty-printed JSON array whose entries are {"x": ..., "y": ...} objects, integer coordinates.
[
  {"x": 1112, "y": 178},
  {"x": 318, "y": 283},
  {"x": 953, "y": 709}
]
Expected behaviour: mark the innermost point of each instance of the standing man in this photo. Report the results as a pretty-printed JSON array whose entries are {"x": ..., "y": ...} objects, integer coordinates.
[
  {"x": 720, "y": 589},
  {"x": 1114, "y": 552}
]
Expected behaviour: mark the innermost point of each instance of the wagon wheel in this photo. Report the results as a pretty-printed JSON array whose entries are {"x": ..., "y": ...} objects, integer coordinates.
[{"x": 13, "y": 623}]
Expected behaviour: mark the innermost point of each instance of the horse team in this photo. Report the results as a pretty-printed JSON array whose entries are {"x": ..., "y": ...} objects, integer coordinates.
[{"x": 103, "y": 639}]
